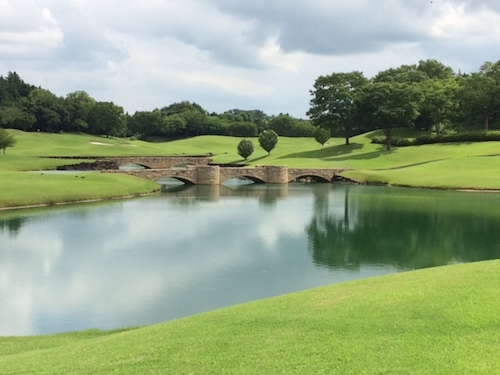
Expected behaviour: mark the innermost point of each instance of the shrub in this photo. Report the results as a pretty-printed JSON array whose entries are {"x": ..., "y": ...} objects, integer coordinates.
[
  {"x": 268, "y": 139},
  {"x": 479, "y": 136},
  {"x": 245, "y": 148},
  {"x": 322, "y": 135}
]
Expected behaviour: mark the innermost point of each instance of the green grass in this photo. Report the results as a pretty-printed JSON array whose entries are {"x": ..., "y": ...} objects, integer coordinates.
[
  {"x": 35, "y": 188},
  {"x": 456, "y": 166},
  {"x": 435, "y": 321}
]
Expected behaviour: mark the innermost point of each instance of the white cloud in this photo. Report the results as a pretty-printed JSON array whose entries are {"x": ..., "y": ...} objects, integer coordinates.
[{"x": 227, "y": 54}]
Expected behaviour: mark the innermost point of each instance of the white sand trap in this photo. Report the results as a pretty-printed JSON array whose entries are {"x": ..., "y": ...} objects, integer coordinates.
[{"x": 101, "y": 144}]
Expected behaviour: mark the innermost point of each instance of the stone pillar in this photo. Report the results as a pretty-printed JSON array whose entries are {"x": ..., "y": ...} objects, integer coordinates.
[
  {"x": 207, "y": 175},
  {"x": 276, "y": 175}
]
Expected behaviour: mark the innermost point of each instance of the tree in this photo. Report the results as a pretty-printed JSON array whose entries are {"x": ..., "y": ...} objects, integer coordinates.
[
  {"x": 146, "y": 124},
  {"x": 322, "y": 135},
  {"x": 435, "y": 70},
  {"x": 242, "y": 129},
  {"x": 245, "y": 148},
  {"x": 390, "y": 105},
  {"x": 106, "y": 118},
  {"x": 78, "y": 104},
  {"x": 267, "y": 140},
  {"x": 333, "y": 102},
  {"x": 6, "y": 140},
  {"x": 407, "y": 74},
  {"x": 288, "y": 126},
  {"x": 49, "y": 110},
  {"x": 15, "y": 118},
  {"x": 480, "y": 94},
  {"x": 439, "y": 100}
]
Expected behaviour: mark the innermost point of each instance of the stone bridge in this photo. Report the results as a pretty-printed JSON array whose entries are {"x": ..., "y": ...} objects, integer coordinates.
[{"x": 215, "y": 175}]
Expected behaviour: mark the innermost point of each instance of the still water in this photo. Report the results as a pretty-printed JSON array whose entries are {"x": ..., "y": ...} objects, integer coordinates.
[{"x": 194, "y": 249}]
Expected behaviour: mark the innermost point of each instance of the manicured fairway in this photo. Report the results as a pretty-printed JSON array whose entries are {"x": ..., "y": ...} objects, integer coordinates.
[
  {"x": 456, "y": 166},
  {"x": 435, "y": 321}
]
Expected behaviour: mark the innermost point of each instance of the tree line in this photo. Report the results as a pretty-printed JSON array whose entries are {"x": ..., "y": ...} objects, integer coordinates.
[
  {"x": 429, "y": 96},
  {"x": 29, "y": 108}
]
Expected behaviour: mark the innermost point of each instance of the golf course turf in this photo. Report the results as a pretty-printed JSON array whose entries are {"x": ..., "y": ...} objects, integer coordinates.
[{"x": 442, "y": 320}]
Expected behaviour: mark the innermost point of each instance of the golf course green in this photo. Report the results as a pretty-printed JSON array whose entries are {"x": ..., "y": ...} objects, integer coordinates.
[
  {"x": 443, "y": 320},
  {"x": 449, "y": 166}
]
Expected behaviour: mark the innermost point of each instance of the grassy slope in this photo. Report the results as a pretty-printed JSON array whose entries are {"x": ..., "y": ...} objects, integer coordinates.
[
  {"x": 468, "y": 165},
  {"x": 434, "y": 321},
  {"x": 20, "y": 188},
  {"x": 475, "y": 165}
]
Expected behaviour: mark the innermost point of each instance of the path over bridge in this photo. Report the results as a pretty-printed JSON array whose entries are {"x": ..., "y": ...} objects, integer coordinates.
[
  {"x": 215, "y": 175},
  {"x": 159, "y": 162}
]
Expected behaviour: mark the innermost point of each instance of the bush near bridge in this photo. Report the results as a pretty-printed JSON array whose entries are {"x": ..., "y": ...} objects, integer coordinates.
[{"x": 427, "y": 139}]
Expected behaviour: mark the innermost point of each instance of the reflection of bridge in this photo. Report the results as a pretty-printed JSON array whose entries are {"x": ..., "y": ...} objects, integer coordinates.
[{"x": 215, "y": 175}]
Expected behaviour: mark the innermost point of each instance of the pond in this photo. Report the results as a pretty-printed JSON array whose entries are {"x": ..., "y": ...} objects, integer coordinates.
[{"x": 192, "y": 249}]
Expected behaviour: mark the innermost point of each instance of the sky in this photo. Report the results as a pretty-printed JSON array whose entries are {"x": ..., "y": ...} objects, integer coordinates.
[{"x": 227, "y": 54}]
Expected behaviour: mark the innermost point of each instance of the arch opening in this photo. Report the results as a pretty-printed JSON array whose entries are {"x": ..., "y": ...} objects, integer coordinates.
[
  {"x": 172, "y": 182},
  {"x": 309, "y": 179},
  {"x": 132, "y": 167},
  {"x": 242, "y": 180}
]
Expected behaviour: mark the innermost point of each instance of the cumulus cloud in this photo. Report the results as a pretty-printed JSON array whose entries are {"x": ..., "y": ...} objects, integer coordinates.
[{"x": 233, "y": 54}]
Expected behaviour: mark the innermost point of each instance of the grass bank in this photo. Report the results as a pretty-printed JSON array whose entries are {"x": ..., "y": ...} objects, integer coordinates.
[
  {"x": 435, "y": 321},
  {"x": 453, "y": 166}
]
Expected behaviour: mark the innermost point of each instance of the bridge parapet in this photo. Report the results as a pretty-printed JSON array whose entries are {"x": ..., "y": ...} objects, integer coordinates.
[
  {"x": 215, "y": 175},
  {"x": 160, "y": 162}
]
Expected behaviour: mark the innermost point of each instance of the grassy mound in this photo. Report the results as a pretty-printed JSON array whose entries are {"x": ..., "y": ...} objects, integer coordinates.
[{"x": 435, "y": 321}]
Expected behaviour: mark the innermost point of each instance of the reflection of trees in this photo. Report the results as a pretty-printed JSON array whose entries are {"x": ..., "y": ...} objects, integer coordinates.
[
  {"x": 12, "y": 225},
  {"x": 392, "y": 229}
]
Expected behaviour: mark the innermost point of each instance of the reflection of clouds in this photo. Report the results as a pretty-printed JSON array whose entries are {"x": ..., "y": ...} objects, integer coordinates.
[
  {"x": 150, "y": 260},
  {"x": 284, "y": 221},
  {"x": 134, "y": 261}
]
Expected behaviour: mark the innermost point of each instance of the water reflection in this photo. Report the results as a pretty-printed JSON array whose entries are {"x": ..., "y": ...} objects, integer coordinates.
[{"x": 197, "y": 248}]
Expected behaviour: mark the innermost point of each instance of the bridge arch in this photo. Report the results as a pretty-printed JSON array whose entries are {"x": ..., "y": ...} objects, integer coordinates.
[
  {"x": 254, "y": 179},
  {"x": 181, "y": 179},
  {"x": 309, "y": 177},
  {"x": 132, "y": 166}
]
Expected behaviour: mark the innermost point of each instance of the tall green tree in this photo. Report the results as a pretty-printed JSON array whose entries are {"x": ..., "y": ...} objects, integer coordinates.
[
  {"x": 390, "y": 105},
  {"x": 407, "y": 74},
  {"x": 268, "y": 140},
  {"x": 106, "y": 118},
  {"x": 333, "y": 103},
  {"x": 439, "y": 100},
  {"x": 13, "y": 117},
  {"x": 480, "y": 93},
  {"x": 147, "y": 124},
  {"x": 16, "y": 87},
  {"x": 49, "y": 110},
  {"x": 435, "y": 69},
  {"x": 78, "y": 104},
  {"x": 6, "y": 140}
]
